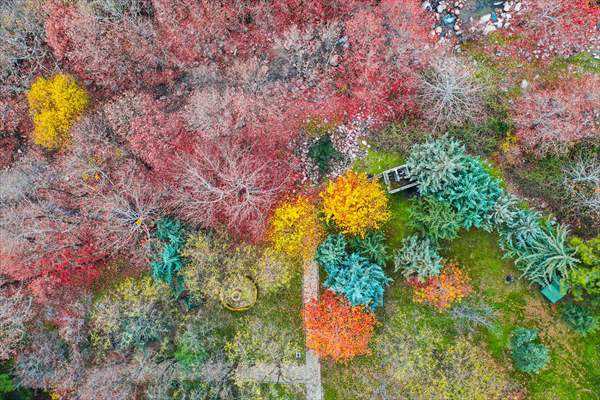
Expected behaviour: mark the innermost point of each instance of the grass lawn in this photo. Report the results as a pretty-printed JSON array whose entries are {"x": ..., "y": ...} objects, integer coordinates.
[{"x": 574, "y": 369}]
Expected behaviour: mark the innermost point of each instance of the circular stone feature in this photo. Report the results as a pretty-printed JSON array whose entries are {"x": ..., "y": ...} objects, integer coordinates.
[{"x": 238, "y": 293}]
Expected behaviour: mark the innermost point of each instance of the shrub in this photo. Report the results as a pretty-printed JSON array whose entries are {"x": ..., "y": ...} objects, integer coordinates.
[
  {"x": 417, "y": 257},
  {"x": 544, "y": 254},
  {"x": 135, "y": 313},
  {"x": 436, "y": 164},
  {"x": 468, "y": 315},
  {"x": 355, "y": 204},
  {"x": 322, "y": 152},
  {"x": 552, "y": 121},
  {"x": 15, "y": 312},
  {"x": 202, "y": 341},
  {"x": 261, "y": 341},
  {"x": 434, "y": 218},
  {"x": 443, "y": 290},
  {"x": 331, "y": 251},
  {"x": 579, "y": 318},
  {"x": 585, "y": 278},
  {"x": 371, "y": 247},
  {"x": 55, "y": 104},
  {"x": 473, "y": 195},
  {"x": 211, "y": 260},
  {"x": 170, "y": 235},
  {"x": 295, "y": 228},
  {"x": 415, "y": 357},
  {"x": 581, "y": 181},
  {"x": 336, "y": 330},
  {"x": 528, "y": 355},
  {"x": 362, "y": 282}
]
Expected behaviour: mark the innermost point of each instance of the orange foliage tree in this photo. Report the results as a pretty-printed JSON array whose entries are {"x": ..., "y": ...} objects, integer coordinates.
[
  {"x": 335, "y": 329},
  {"x": 355, "y": 204},
  {"x": 442, "y": 290}
]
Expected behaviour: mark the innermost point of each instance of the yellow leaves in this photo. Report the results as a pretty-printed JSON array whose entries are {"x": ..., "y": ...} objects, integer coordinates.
[
  {"x": 295, "y": 228},
  {"x": 355, "y": 204},
  {"x": 55, "y": 104}
]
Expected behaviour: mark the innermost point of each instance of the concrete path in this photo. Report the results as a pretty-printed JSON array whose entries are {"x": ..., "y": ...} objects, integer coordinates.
[{"x": 308, "y": 374}]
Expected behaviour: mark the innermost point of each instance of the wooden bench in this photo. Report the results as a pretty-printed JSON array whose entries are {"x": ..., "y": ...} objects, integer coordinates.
[{"x": 396, "y": 179}]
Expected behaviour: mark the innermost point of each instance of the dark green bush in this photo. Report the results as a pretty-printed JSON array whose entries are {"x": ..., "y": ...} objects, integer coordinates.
[
  {"x": 529, "y": 355},
  {"x": 372, "y": 247},
  {"x": 322, "y": 152},
  {"x": 434, "y": 218},
  {"x": 579, "y": 318}
]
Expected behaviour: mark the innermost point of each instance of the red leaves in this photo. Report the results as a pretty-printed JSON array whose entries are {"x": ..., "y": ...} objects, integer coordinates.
[
  {"x": 231, "y": 182},
  {"x": 555, "y": 119},
  {"x": 335, "y": 329}
]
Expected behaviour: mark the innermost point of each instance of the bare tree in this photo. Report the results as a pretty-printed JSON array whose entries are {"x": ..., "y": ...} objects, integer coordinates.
[
  {"x": 450, "y": 95},
  {"x": 15, "y": 312},
  {"x": 228, "y": 183},
  {"x": 23, "y": 53},
  {"x": 582, "y": 182}
]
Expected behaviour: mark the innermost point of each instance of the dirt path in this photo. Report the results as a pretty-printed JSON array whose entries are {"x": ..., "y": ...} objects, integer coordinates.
[{"x": 308, "y": 374}]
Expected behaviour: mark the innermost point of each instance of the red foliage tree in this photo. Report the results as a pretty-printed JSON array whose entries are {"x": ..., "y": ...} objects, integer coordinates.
[
  {"x": 552, "y": 120},
  {"x": 115, "y": 55},
  {"x": 388, "y": 44},
  {"x": 233, "y": 182},
  {"x": 557, "y": 27},
  {"x": 335, "y": 329}
]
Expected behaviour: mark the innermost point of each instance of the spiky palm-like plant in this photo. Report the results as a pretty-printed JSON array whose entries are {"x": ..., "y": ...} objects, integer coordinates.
[{"x": 547, "y": 256}]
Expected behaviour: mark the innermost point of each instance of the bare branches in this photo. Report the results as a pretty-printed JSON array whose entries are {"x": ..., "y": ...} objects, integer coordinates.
[
  {"x": 450, "y": 95},
  {"x": 229, "y": 183},
  {"x": 15, "y": 312}
]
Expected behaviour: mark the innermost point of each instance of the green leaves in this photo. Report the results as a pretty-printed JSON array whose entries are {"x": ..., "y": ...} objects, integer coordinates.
[
  {"x": 435, "y": 219},
  {"x": 436, "y": 164},
  {"x": 171, "y": 236},
  {"x": 361, "y": 281},
  {"x": 529, "y": 355},
  {"x": 417, "y": 257},
  {"x": 579, "y": 318}
]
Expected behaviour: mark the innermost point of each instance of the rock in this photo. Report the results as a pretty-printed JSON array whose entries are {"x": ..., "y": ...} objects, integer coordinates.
[
  {"x": 506, "y": 7},
  {"x": 485, "y": 18},
  {"x": 524, "y": 84},
  {"x": 489, "y": 29},
  {"x": 438, "y": 30},
  {"x": 334, "y": 60},
  {"x": 427, "y": 6},
  {"x": 498, "y": 24},
  {"x": 440, "y": 9},
  {"x": 456, "y": 11},
  {"x": 518, "y": 7},
  {"x": 456, "y": 27}
]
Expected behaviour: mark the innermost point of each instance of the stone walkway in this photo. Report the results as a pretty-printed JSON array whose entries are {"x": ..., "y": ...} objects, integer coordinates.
[{"x": 308, "y": 374}]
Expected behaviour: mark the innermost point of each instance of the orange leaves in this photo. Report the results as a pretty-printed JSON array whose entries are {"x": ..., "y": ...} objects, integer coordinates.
[
  {"x": 335, "y": 329},
  {"x": 442, "y": 290},
  {"x": 355, "y": 204}
]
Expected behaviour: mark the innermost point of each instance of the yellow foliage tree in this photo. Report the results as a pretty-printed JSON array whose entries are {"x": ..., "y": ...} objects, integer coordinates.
[
  {"x": 295, "y": 228},
  {"x": 355, "y": 204},
  {"x": 55, "y": 104}
]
